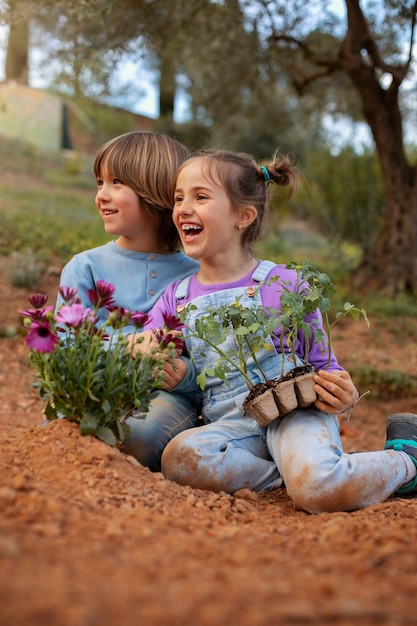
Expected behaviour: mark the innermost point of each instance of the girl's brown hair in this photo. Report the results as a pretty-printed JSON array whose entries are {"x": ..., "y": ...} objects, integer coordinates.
[
  {"x": 147, "y": 162},
  {"x": 246, "y": 183}
]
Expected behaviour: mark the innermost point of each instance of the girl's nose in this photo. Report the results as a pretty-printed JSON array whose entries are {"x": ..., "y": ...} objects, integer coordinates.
[{"x": 185, "y": 208}]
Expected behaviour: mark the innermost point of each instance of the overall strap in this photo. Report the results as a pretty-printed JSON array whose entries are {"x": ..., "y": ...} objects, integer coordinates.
[
  {"x": 262, "y": 271},
  {"x": 181, "y": 291}
]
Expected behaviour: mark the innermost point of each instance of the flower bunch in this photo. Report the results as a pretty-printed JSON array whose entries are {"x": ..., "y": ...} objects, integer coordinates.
[{"x": 87, "y": 374}]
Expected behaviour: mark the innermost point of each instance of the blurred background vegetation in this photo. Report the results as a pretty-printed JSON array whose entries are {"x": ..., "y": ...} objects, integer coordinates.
[{"x": 330, "y": 82}]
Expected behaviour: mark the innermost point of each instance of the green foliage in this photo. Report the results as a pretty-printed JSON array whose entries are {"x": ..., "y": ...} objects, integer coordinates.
[
  {"x": 345, "y": 196},
  {"x": 311, "y": 293},
  {"x": 384, "y": 384},
  {"x": 44, "y": 207},
  {"x": 249, "y": 326},
  {"x": 51, "y": 230},
  {"x": 26, "y": 269}
]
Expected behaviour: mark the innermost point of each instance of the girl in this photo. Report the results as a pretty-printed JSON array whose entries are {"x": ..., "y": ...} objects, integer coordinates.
[
  {"x": 135, "y": 175},
  {"x": 221, "y": 200}
]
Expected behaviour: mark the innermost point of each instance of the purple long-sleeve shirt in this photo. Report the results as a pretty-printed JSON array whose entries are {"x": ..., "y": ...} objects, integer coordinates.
[{"x": 317, "y": 353}]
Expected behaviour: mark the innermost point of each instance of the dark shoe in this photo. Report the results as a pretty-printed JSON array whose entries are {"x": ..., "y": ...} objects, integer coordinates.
[{"x": 402, "y": 436}]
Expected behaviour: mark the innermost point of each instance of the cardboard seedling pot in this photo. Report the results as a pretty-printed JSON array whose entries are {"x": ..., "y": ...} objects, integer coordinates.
[
  {"x": 263, "y": 408},
  {"x": 277, "y": 398},
  {"x": 304, "y": 391}
]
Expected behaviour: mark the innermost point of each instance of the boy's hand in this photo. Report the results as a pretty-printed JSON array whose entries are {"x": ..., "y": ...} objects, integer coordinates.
[
  {"x": 336, "y": 391},
  {"x": 174, "y": 371},
  {"x": 149, "y": 344},
  {"x": 146, "y": 346}
]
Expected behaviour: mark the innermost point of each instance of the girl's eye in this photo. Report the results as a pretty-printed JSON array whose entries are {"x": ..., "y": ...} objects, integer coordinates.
[
  {"x": 177, "y": 199},
  {"x": 117, "y": 181},
  {"x": 99, "y": 183}
]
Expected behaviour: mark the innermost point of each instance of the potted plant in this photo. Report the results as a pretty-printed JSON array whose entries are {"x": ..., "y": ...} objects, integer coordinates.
[{"x": 250, "y": 327}]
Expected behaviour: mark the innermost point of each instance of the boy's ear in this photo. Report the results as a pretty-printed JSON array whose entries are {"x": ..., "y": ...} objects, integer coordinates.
[{"x": 247, "y": 215}]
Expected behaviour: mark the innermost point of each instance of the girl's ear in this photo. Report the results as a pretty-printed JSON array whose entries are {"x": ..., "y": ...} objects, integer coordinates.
[{"x": 247, "y": 215}]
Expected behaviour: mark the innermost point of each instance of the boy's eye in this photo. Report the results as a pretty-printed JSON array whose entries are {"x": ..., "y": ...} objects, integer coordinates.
[
  {"x": 99, "y": 182},
  {"x": 177, "y": 199},
  {"x": 117, "y": 181},
  {"x": 201, "y": 196}
]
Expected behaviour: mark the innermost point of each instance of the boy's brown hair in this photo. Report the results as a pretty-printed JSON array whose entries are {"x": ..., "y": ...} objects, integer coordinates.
[{"x": 147, "y": 162}]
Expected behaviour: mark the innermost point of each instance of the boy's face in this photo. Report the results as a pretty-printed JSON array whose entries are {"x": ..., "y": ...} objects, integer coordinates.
[{"x": 122, "y": 214}]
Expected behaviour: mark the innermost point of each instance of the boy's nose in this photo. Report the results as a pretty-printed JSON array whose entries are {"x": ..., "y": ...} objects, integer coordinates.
[{"x": 102, "y": 192}]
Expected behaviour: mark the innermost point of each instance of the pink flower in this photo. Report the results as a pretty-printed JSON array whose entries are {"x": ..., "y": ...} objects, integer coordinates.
[
  {"x": 140, "y": 319},
  {"x": 70, "y": 295},
  {"x": 164, "y": 339},
  {"x": 37, "y": 315},
  {"x": 74, "y": 315},
  {"x": 41, "y": 337},
  {"x": 172, "y": 322},
  {"x": 118, "y": 316},
  {"x": 102, "y": 295},
  {"x": 38, "y": 300}
]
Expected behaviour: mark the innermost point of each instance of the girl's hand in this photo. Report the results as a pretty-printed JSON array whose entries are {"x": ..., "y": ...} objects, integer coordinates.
[{"x": 335, "y": 390}]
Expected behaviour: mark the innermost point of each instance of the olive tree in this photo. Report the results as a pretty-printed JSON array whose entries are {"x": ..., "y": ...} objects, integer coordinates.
[{"x": 367, "y": 56}]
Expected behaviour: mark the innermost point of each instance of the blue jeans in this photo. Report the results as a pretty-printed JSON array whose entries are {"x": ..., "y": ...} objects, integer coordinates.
[
  {"x": 221, "y": 456},
  {"x": 169, "y": 414},
  {"x": 302, "y": 450},
  {"x": 319, "y": 476}
]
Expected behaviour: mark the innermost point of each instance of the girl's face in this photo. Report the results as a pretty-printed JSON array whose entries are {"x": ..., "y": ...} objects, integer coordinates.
[
  {"x": 204, "y": 216},
  {"x": 122, "y": 214}
]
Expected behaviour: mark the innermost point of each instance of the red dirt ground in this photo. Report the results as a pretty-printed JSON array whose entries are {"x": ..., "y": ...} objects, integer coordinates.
[{"x": 88, "y": 537}]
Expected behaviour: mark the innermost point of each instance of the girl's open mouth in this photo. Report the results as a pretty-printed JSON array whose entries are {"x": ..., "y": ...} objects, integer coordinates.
[{"x": 191, "y": 231}]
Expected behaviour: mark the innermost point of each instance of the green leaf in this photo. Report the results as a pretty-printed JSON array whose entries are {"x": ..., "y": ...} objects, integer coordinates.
[
  {"x": 107, "y": 435},
  {"x": 50, "y": 412},
  {"x": 89, "y": 425}
]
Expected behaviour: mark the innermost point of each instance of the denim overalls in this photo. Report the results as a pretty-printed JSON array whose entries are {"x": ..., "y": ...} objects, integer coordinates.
[
  {"x": 221, "y": 401},
  {"x": 303, "y": 449}
]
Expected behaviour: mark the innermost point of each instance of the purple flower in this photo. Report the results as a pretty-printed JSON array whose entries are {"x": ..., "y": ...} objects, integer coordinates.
[
  {"x": 37, "y": 315},
  {"x": 140, "y": 319},
  {"x": 38, "y": 300},
  {"x": 103, "y": 295},
  {"x": 164, "y": 339},
  {"x": 74, "y": 315},
  {"x": 41, "y": 337},
  {"x": 119, "y": 316},
  {"x": 172, "y": 322},
  {"x": 70, "y": 295}
]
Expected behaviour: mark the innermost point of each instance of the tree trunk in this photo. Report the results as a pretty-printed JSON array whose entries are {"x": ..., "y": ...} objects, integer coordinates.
[
  {"x": 17, "y": 59},
  {"x": 167, "y": 86},
  {"x": 393, "y": 263}
]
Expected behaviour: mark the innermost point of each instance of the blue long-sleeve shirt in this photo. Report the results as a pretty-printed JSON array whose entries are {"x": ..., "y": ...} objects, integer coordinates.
[{"x": 138, "y": 277}]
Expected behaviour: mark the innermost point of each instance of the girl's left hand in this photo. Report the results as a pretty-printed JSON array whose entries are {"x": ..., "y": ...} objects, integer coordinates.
[{"x": 335, "y": 390}]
